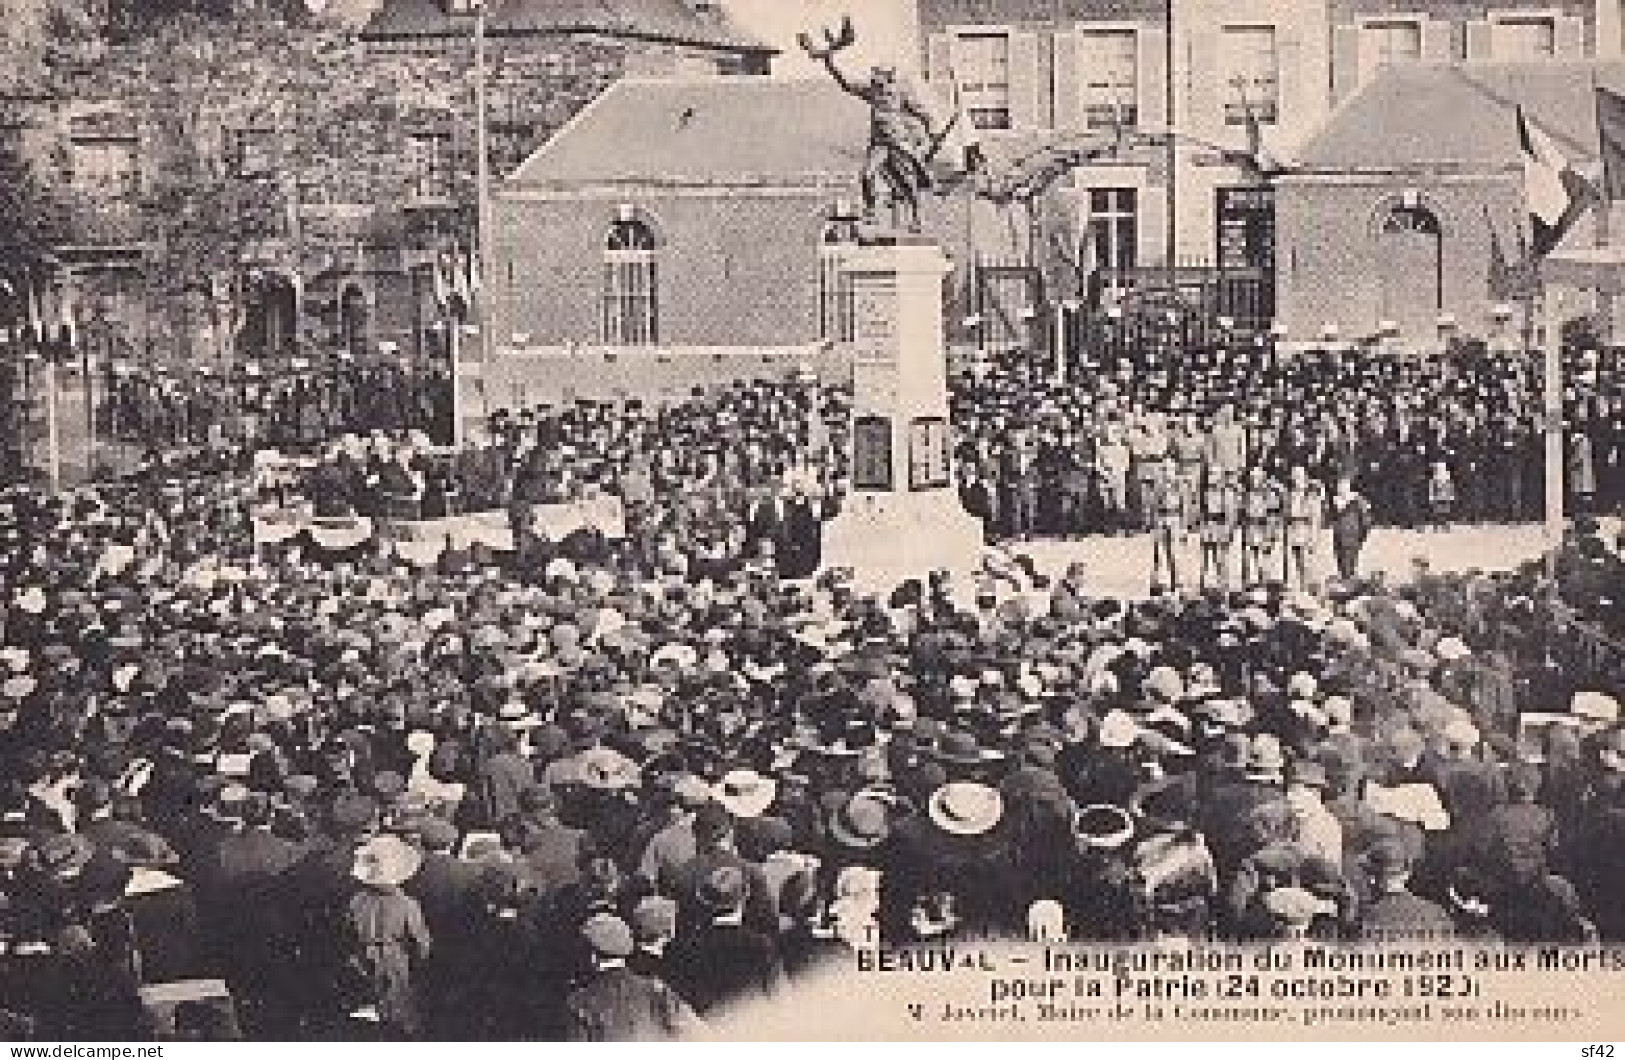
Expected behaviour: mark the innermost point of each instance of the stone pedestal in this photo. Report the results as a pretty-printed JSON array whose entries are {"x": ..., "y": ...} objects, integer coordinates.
[{"x": 903, "y": 518}]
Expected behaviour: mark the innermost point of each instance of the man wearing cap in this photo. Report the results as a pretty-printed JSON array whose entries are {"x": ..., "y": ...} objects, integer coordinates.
[
  {"x": 673, "y": 802},
  {"x": 617, "y": 1004},
  {"x": 654, "y": 925},
  {"x": 721, "y": 961},
  {"x": 714, "y": 850},
  {"x": 1394, "y": 913}
]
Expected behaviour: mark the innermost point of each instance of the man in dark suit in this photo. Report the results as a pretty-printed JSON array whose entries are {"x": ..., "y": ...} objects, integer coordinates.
[
  {"x": 616, "y": 1004},
  {"x": 723, "y": 962},
  {"x": 253, "y": 917},
  {"x": 767, "y": 520},
  {"x": 714, "y": 844},
  {"x": 448, "y": 891},
  {"x": 1395, "y": 914},
  {"x": 801, "y": 547}
]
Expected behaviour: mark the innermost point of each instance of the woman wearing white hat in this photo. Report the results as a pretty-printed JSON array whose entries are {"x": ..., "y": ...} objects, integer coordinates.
[{"x": 387, "y": 934}]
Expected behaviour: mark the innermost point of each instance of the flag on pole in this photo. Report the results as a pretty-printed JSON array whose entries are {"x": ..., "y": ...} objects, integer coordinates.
[
  {"x": 36, "y": 319},
  {"x": 1554, "y": 191},
  {"x": 463, "y": 289},
  {"x": 67, "y": 324},
  {"x": 1500, "y": 278},
  {"x": 1510, "y": 279},
  {"x": 1611, "y": 142},
  {"x": 442, "y": 288}
]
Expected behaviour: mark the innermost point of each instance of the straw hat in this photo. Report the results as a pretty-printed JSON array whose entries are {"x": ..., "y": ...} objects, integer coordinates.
[
  {"x": 386, "y": 861},
  {"x": 746, "y": 793},
  {"x": 966, "y": 809},
  {"x": 1102, "y": 826}
]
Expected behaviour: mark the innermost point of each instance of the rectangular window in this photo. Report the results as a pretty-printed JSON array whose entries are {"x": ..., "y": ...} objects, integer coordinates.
[
  {"x": 1114, "y": 229},
  {"x": 1249, "y": 74},
  {"x": 428, "y": 165},
  {"x": 1523, "y": 37},
  {"x": 105, "y": 167},
  {"x": 251, "y": 152},
  {"x": 1109, "y": 64},
  {"x": 1391, "y": 41},
  {"x": 982, "y": 72}
]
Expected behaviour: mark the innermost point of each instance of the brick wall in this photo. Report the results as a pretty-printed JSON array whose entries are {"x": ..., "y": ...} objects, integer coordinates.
[
  {"x": 1336, "y": 268},
  {"x": 738, "y": 267},
  {"x": 734, "y": 269}
]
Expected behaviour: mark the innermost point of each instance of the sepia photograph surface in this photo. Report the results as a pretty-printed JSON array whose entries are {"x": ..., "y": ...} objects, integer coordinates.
[{"x": 834, "y": 520}]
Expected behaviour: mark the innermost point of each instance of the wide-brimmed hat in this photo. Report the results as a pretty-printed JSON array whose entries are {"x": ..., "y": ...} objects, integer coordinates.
[
  {"x": 861, "y": 822},
  {"x": 723, "y": 890},
  {"x": 745, "y": 793},
  {"x": 608, "y": 936},
  {"x": 1265, "y": 755},
  {"x": 1103, "y": 826},
  {"x": 1296, "y": 907},
  {"x": 966, "y": 809},
  {"x": 604, "y": 769},
  {"x": 386, "y": 861},
  {"x": 961, "y": 749},
  {"x": 1595, "y": 706}
]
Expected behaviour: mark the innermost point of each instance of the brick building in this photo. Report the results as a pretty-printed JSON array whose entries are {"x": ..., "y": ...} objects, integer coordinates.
[
  {"x": 1394, "y": 221},
  {"x": 698, "y": 214},
  {"x": 1065, "y": 67},
  {"x": 255, "y": 188}
]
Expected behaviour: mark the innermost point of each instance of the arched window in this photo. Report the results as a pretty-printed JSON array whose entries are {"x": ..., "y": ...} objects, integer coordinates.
[
  {"x": 1410, "y": 246},
  {"x": 834, "y": 289},
  {"x": 631, "y": 285}
]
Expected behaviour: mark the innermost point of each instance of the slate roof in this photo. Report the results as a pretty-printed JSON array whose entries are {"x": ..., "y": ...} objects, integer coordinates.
[
  {"x": 676, "y": 21},
  {"x": 719, "y": 130},
  {"x": 706, "y": 130},
  {"x": 1461, "y": 115}
]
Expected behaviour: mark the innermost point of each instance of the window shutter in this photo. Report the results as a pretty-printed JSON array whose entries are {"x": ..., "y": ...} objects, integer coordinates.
[
  {"x": 1345, "y": 62},
  {"x": 939, "y": 60},
  {"x": 1438, "y": 45},
  {"x": 1026, "y": 110},
  {"x": 1068, "y": 80},
  {"x": 1569, "y": 35},
  {"x": 1479, "y": 46},
  {"x": 1153, "y": 78}
]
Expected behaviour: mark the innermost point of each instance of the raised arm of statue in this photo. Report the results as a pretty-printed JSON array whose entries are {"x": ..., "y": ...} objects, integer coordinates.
[{"x": 834, "y": 43}]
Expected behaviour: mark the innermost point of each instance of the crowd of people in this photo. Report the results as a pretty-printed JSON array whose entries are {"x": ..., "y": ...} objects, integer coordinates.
[
  {"x": 1428, "y": 441},
  {"x": 296, "y": 408},
  {"x": 610, "y": 789},
  {"x": 1250, "y": 456}
]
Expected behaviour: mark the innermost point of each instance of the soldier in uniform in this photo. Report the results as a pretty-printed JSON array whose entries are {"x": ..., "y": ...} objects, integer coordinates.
[
  {"x": 1303, "y": 511},
  {"x": 1226, "y": 445},
  {"x": 1189, "y": 449},
  {"x": 1113, "y": 460},
  {"x": 1220, "y": 517},
  {"x": 1149, "y": 448},
  {"x": 1260, "y": 514},
  {"x": 1169, "y": 521}
]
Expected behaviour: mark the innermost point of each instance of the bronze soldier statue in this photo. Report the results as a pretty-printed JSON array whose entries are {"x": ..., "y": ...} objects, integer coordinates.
[{"x": 902, "y": 141}]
